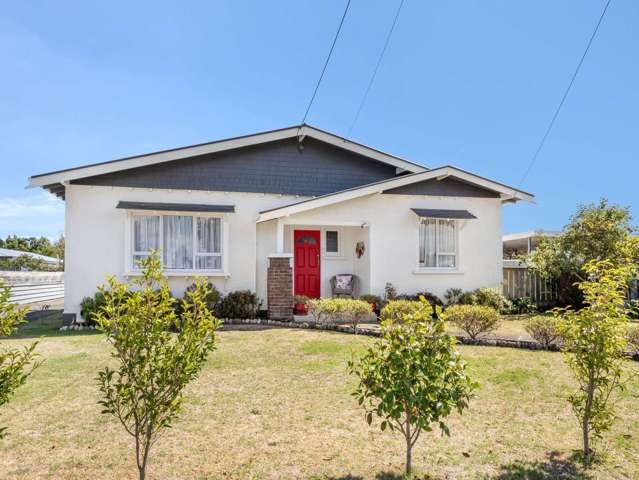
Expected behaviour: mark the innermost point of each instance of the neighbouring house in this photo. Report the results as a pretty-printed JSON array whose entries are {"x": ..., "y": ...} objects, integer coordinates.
[
  {"x": 522, "y": 243},
  {"x": 9, "y": 254},
  {"x": 278, "y": 213}
]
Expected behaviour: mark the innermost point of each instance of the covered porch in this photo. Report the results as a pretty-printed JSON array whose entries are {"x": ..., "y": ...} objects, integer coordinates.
[
  {"x": 308, "y": 255},
  {"x": 319, "y": 251}
]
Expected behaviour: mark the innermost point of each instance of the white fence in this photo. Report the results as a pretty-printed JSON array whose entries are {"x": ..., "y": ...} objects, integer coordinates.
[
  {"x": 25, "y": 294},
  {"x": 34, "y": 287},
  {"x": 518, "y": 282}
]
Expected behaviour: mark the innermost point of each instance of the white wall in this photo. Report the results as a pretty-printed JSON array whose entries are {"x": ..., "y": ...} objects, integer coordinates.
[
  {"x": 95, "y": 240},
  {"x": 393, "y": 241},
  {"x": 95, "y": 237}
]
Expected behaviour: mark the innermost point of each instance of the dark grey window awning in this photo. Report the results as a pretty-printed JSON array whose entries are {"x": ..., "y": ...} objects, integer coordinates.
[
  {"x": 439, "y": 213},
  {"x": 175, "y": 207}
]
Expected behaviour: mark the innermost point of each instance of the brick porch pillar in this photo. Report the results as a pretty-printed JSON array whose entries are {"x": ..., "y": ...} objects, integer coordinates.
[{"x": 279, "y": 287}]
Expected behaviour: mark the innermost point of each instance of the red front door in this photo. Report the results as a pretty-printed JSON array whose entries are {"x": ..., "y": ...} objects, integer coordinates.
[{"x": 306, "y": 255}]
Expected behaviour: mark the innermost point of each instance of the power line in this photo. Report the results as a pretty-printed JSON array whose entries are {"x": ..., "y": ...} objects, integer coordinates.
[
  {"x": 563, "y": 99},
  {"x": 379, "y": 61},
  {"x": 348, "y": 4}
]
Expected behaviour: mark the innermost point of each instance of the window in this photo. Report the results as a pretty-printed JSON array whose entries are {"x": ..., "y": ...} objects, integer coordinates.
[
  {"x": 146, "y": 236},
  {"x": 437, "y": 243},
  {"x": 187, "y": 242},
  {"x": 332, "y": 242}
]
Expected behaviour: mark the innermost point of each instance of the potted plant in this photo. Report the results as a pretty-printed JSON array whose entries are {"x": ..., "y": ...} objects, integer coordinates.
[
  {"x": 301, "y": 307},
  {"x": 374, "y": 300}
]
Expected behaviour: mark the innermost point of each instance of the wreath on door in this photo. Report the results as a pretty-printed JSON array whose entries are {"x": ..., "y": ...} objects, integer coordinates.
[{"x": 360, "y": 248}]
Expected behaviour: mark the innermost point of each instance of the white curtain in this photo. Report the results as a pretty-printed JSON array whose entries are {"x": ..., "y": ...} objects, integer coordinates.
[
  {"x": 178, "y": 242},
  {"x": 428, "y": 242},
  {"x": 209, "y": 242},
  {"x": 446, "y": 247},
  {"x": 146, "y": 236},
  {"x": 146, "y": 233}
]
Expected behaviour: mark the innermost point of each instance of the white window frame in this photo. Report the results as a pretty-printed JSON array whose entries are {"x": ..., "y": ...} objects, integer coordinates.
[
  {"x": 339, "y": 242},
  {"x": 131, "y": 268},
  {"x": 422, "y": 266}
]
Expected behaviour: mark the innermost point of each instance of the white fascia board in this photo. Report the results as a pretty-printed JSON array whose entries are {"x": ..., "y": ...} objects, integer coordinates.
[
  {"x": 219, "y": 146},
  {"x": 379, "y": 187}
]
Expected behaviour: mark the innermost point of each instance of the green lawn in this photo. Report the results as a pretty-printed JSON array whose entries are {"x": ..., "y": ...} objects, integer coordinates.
[{"x": 276, "y": 404}]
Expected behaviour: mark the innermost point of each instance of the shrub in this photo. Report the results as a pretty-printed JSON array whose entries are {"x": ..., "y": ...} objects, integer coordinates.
[
  {"x": 491, "y": 297},
  {"x": 467, "y": 298},
  {"x": 633, "y": 339},
  {"x": 390, "y": 292},
  {"x": 90, "y": 306},
  {"x": 240, "y": 304},
  {"x": 400, "y": 311},
  {"x": 330, "y": 310},
  {"x": 523, "y": 305},
  {"x": 212, "y": 299},
  {"x": 543, "y": 329},
  {"x": 475, "y": 320},
  {"x": 302, "y": 299},
  {"x": 431, "y": 298},
  {"x": 453, "y": 296},
  {"x": 15, "y": 364},
  {"x": 487, "y": 297},
  {"x": 376, "y": 299}
]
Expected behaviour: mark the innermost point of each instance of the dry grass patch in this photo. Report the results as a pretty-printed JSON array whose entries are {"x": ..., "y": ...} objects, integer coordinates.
[{"x": 276, "y": 404}]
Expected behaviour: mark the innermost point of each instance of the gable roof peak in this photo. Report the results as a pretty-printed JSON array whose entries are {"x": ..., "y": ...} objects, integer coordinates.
[{"x": 66, "y": 175}]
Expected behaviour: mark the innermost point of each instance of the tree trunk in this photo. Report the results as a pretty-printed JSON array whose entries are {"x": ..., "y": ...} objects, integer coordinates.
[
  {"x": 585, "y": 424},
  {"x": 409, "y": 458},
  {"x": 586, "y": 441},
  {"x": 409, "y": 451}
]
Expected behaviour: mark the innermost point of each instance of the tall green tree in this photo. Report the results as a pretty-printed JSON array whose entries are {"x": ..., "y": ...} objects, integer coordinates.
[
  {"x": 412, "y": 377},
  {"x": 145, "y": 391},
  {"x": 595, "y": 347},
  {"x": 41, "y": 245},
  {"x": 600, "y": 231},
  {"x": 15, "y": 364}
]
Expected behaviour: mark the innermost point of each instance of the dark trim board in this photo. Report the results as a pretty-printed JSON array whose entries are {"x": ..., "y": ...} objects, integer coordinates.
[
  {"x": 175, "y": 207},
  {"x": 440, "y": 213}
]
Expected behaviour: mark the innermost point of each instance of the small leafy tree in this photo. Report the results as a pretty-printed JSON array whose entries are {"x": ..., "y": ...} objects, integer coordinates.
[
  {"x": 413, "y": 377},
  {"x": 595, "y": 347},
  {"x": 154, "y": 365},
  {"x": 15, "y": 365}
]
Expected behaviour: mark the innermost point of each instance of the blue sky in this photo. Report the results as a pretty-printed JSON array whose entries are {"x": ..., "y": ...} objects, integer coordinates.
[{"x": 472, "y": 84}]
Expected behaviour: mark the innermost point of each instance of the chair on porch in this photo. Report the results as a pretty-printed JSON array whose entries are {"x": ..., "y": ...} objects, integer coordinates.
[{"x": 344, "y": 285}]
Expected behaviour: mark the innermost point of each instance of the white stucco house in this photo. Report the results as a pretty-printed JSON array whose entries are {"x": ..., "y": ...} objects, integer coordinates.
[{"x": 278, "y": 213}]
